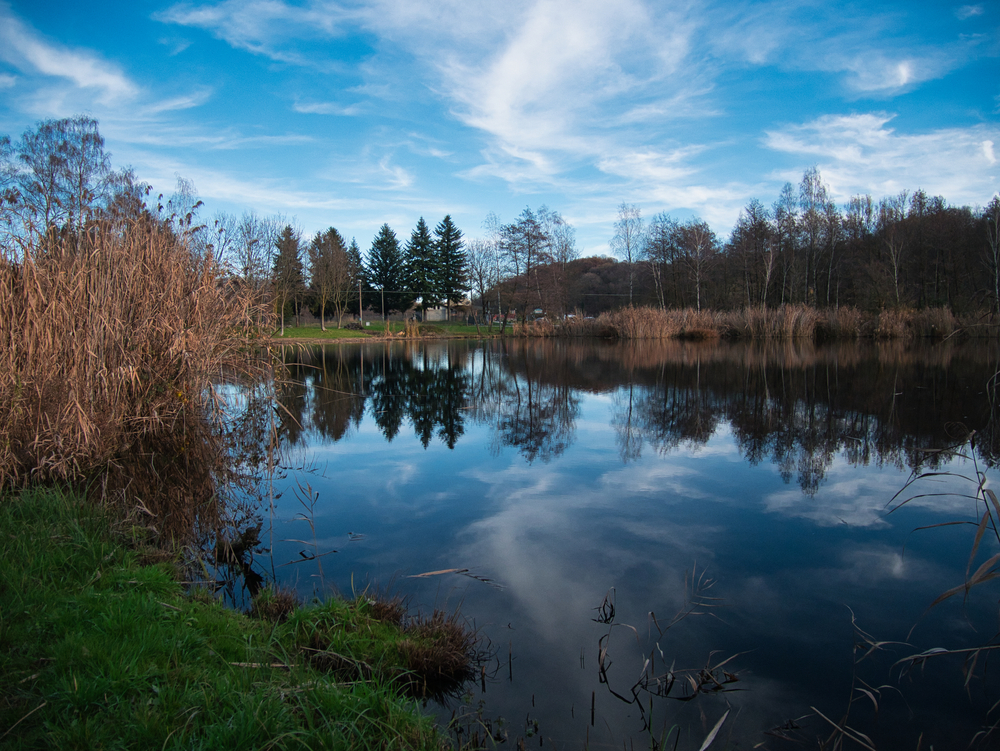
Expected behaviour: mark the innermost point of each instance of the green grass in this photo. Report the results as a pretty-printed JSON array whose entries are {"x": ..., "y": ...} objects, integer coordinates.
[{"x": 98, "y": 651}]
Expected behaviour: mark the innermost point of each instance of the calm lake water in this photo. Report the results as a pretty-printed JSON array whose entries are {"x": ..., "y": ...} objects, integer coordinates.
[{"x": 591, "y": 494}]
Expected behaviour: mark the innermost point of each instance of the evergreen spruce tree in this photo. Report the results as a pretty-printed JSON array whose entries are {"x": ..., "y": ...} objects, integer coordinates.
[
  {"x": 359, "y": 281},
  {"x": 387, "y": 272},
  {"x": 423, "y": 266},
  {"x": 452, "y": 263},
  {"x": 288, "y": 278}
]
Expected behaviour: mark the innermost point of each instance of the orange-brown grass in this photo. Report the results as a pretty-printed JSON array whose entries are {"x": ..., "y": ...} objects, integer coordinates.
[
  {"x": 891, "y": 324},
  {"x": 839, "y": 323},
  {"x": 109, "y": 345},
  {"x": 655, "y": 323},
  {"x": 934, "y": 323}
]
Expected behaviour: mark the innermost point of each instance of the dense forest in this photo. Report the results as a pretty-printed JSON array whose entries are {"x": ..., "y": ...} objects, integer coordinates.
[{"x": 908, "y": 250}]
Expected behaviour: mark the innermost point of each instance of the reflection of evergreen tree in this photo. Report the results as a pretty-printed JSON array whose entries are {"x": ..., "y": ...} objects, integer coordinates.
[
  {"x": 336, "y": 404},
  {"x": 454, "y": 386},
  {"x": 388, "y": 392},
  {"x": 786, "y": 404}
]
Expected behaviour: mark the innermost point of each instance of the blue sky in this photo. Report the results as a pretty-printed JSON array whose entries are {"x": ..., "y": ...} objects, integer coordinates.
[{"x": 354, "y": 114}]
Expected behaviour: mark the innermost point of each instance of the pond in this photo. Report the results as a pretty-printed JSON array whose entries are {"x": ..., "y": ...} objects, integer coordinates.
[{"x": 651, "y": 535}]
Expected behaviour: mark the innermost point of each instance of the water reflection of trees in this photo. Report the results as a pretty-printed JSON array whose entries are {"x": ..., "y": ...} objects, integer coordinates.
[
  {"x": 799, "y": 406},
  {"x": 528, "y": 400},
  {"x": 794, "y": 404},
  {"x": 326, "y": 391}
]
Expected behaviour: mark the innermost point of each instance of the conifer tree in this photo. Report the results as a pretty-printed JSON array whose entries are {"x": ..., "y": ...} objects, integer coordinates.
[
  {"x": 423, "y": 265},
  {"x": 387, "y": 271},
  {"x": 288, "y": 278},
  {"x": 452, "y": 263},
  {"x": 358, "y": 278}
]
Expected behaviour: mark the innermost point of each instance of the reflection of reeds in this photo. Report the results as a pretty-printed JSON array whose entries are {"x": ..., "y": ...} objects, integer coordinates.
[{"x": 110, "y": 345}]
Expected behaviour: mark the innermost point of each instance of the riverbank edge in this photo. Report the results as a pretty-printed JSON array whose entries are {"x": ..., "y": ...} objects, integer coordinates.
[
  {"x": 787, "y": 322},
  {"x": 103, "y": 646}
]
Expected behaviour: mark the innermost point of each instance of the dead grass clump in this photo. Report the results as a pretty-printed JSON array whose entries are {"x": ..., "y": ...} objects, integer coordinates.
[
  {"x": 438, "y": 653},
  {"x": 387, "y": 609},
  {"x": 934, "y": 323},
  {"x": 639, "y": 323},
  {"x": 540, "y": 328},
  {"x": 839, "y": 323},
  {"x": 785, "y": 322},
  {"x": 891, "y": 324},
  {"x": 274, "y": 604},
  {"x": 110, "y": 343}
]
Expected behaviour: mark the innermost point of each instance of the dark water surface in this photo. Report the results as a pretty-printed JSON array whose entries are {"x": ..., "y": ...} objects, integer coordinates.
[{"x": 651, "y": 477}]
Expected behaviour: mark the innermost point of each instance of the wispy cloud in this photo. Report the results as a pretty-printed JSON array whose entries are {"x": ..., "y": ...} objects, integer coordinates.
[
  {"x": 265, "y": 27},
  {"x": 327, "y": 108},
  {"x": 23, "y": 47},
  {"x": 184, "y": 102},
  {"x": 969, "y": 11},
  {"x": 877, "y": 73},
  {"x": 7, "y": 81},
  {"x": 861, "y": 154}
]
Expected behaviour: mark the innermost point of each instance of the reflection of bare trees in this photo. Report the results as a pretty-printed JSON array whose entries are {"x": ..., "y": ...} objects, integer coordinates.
[
  {"x": 521, "y": 394},
  {"x": 794, "y": 404}
]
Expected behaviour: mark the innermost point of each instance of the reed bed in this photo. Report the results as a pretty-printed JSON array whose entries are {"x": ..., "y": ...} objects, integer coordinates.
[
  {"x": 800, "y": 322},
  {"x": 110, "y": 345}
]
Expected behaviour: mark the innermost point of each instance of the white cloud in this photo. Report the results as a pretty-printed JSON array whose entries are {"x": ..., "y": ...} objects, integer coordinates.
[
  {"x": 877, "y": 73},
  {"x": 969, "y": 11},
  {"x": 21, "y": 46},
  {"x": 265, "y": 27},
  {"x": 327, "y": 108},
  {"x": 7, "y": 81},
  {"x": 187, "y": 101},
  {"x": 988, "y": 152},
  {"x": 860, "y": 154}
]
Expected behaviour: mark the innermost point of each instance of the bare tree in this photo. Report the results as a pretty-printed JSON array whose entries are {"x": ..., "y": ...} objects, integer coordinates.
[
  {"x": 330, "y": 274},
  {"x": 785, "y": 213},
  {"x": 482, "y": 265},
  {"x": 753, "y": 242},
  {"x": 660, "y": 251},
  {"x": 892, "y": 232},
  {"x": 254, "y": 241},
  {"x": 524, "y": 246},
  {"x": 992, "y": 216},
  {"x": 812, "y": 226},
  {"x": 57, "y": 176},
  {"x": 697, "y": 246},
  {"x": 561, "y": 249},
  {"x": 628, "y": 240}
]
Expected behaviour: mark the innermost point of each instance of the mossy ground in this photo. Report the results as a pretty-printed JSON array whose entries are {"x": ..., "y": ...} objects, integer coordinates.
[{"x": 98, "y": 651}]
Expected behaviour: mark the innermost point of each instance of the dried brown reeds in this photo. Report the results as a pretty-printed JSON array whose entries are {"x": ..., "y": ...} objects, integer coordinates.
[
  {"x": 656, "y": 323},
  {"x": 890, "y": 324},
  {"x": 839, "y": 324},
  {"x": 110, "y": 344},
  {"x": 785, "y": 322},
  {"x": 782, "y": 323},
  {"x": 934, "y": 323}
]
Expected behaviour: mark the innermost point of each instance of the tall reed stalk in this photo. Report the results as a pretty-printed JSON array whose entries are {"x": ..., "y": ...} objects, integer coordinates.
[{"x": 111, "y": 343}]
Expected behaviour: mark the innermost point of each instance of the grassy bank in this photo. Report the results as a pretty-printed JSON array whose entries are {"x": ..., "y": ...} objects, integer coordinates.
[
  {"x": 380, "y": 330},
  {"x": 100, "y": 648}
]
